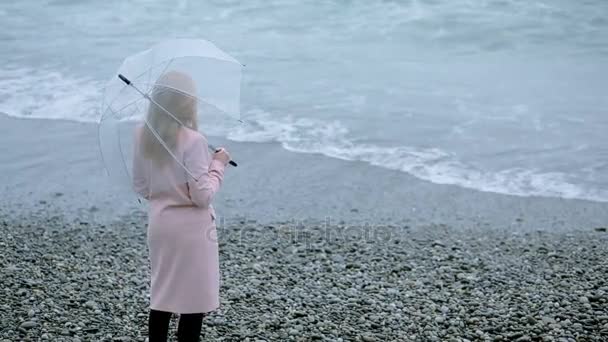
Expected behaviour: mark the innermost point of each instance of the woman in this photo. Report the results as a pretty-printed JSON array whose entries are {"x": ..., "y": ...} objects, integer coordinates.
[{"x": 181, "y": 221}]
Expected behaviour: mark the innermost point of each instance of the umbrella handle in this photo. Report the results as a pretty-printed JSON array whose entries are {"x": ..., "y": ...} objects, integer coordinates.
[
  {"x": 215, "y": 149},
  {"x": 232, "y": 162}
]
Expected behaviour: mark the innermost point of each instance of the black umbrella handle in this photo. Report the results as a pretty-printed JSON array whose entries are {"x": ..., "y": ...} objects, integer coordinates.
[
  {"x": 215, "y": 150},
  {"x": 232, "y": 162}
]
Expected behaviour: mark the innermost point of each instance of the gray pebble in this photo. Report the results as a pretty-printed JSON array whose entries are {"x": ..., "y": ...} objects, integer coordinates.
[{"x": 28, "y": 324}]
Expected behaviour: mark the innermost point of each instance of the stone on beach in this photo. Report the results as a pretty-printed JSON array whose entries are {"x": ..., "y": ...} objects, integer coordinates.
[{"x": 82, "y": 282}]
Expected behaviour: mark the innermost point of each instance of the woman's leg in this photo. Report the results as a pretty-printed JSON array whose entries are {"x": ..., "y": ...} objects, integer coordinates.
[
  {"x": 189, "y": 327},
  {"x": 158, "y": 326}
]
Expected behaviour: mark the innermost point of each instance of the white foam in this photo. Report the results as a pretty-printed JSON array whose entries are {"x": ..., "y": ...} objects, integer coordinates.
[
  {"x": 430, "y": 164},
  {"x": 48, "y": 94}
]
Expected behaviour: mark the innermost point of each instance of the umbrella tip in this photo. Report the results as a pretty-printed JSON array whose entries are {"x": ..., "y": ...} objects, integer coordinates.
[{"x": 124, "y": 79}]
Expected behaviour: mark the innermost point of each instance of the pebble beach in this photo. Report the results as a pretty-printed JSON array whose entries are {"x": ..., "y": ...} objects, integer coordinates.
[
  {"x": 74, "y": 280},
  {"x": 407, "y": 170}
]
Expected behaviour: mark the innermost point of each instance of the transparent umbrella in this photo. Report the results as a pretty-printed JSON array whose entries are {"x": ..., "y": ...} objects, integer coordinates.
[{"x": 176, "y": 85}]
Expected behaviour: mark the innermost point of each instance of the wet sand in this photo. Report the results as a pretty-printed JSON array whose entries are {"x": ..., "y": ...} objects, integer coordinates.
[{"x": 59, "y": 164}]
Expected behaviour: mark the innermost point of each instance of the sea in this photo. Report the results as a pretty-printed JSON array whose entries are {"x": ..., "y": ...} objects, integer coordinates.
[{"x": 501, "y": 96}]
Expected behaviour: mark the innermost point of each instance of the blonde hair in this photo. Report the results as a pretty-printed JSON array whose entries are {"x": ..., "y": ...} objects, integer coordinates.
[{"x": 175, "y": 92}]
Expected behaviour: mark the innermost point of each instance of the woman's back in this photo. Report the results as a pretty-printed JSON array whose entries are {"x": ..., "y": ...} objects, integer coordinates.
[
  {"x": 173, "y": 169},
  {"x": 181, "y": 223},
  {"x": 165, "y": 183}
]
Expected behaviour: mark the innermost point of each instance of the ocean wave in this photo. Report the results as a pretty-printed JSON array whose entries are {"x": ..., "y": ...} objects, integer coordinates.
[
  {"x": 332, "y": 139},
  {"x": 48, "y": 94},
  {"x": 51, "y": 94}
]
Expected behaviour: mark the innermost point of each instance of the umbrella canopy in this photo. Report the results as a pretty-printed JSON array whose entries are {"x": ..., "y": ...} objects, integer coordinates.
[{"x": 157, "y": 94}]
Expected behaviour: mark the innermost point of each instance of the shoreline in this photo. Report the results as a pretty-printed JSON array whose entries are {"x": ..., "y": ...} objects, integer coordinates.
[
  {"x": 80, "y": 281},
  {"x": 61, "y": 170}
]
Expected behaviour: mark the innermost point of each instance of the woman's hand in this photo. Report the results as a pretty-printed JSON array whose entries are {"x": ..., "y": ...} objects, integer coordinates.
[{"x": 222, "y": 156}]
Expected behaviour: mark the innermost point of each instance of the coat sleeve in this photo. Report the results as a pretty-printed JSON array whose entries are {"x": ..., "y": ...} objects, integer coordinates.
[
  {"x": 140, "y": 172},
  {"x": 209, "y": 173}
]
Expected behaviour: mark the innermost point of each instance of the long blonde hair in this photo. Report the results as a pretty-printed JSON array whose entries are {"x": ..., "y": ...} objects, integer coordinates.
[{"x": 175, "y": 92}]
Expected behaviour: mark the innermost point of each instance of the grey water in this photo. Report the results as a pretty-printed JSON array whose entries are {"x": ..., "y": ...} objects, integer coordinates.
[{"x": 503, "y": 96}]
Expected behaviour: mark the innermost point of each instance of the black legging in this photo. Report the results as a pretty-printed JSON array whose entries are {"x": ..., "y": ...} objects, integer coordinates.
[{"x": 188, "y": 328}]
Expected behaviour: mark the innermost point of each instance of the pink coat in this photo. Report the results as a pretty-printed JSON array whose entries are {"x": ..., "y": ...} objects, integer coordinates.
[{"x": 182, "y": 238}]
